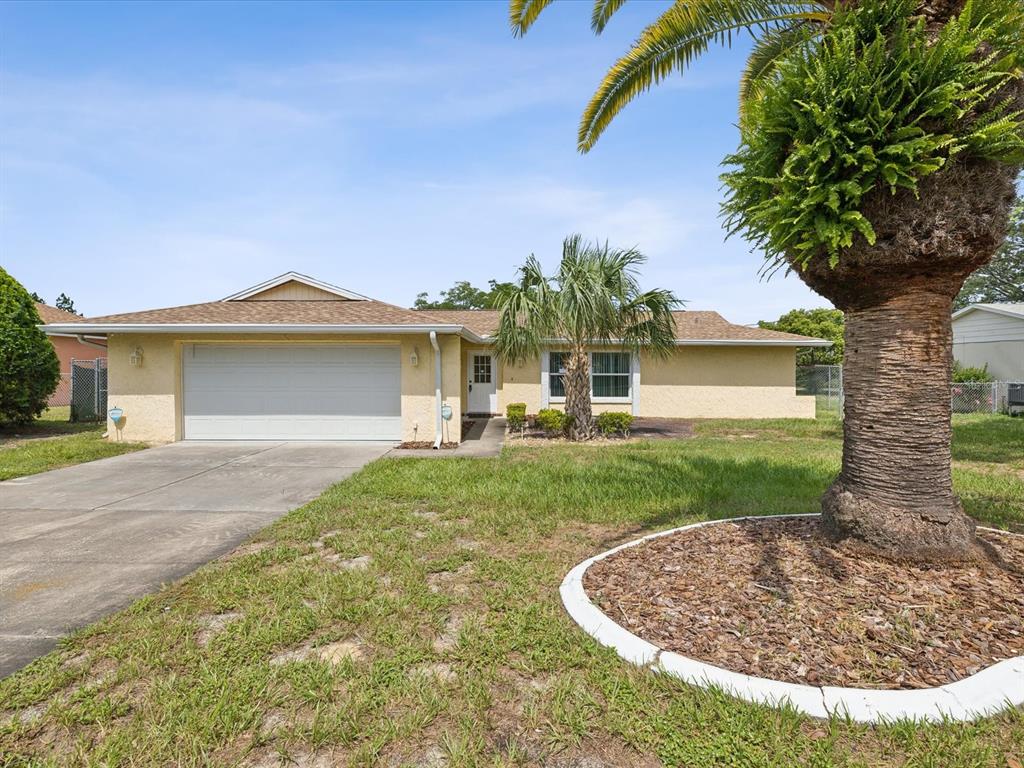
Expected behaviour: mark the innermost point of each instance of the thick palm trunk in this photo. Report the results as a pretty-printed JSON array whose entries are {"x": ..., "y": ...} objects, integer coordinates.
[
  {"x": 895, "y": 491},
  {"x": 577, "y": 395},
  {"x": 894, "y": 494}
]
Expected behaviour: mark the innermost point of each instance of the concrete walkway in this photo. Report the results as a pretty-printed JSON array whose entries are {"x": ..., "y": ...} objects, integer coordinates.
[
  {"x": 84, "y": 541},
  {"x": 483, "y": 441}
]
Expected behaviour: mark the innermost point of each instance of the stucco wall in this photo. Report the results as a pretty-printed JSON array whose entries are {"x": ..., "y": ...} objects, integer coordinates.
[
  {"x": 146, "y": 393},
  {"x": 68, "y": 348},
  {"x": 695, "y": 382},
  {"x": 150, "y": 394},
  {"x": 1005, "y": 359},
  {"x": 418, "y": 395}
]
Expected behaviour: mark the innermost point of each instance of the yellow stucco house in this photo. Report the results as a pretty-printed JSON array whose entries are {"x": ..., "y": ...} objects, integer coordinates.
[{"x": 295, "y": 358}]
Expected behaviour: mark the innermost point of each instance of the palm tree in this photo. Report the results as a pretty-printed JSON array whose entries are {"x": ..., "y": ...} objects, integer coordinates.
[
  {"x": 896, "y": 279},
  {"x": 594, "y": 300}
]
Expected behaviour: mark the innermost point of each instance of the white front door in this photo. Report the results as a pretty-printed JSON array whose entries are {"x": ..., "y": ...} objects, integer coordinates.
[{"x": 483, "y": 387}]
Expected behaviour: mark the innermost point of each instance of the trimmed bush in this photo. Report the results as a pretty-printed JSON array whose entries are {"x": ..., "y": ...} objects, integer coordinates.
[
  {"x": 552, "y": 421},
  {"x": 515, "y": 416},
  {"x": 615, "y": 423},
  {"x": 29, "y": 369},
  {"x": 967, "y": 373}
]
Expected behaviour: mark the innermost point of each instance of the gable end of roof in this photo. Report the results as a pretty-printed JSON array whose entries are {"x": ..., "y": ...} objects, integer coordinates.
[{"x": 295, "y": 277}]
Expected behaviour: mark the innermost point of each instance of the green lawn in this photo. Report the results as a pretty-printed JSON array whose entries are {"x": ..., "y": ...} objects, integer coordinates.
[
  {"x": 51, "y": 441},
  {"x": 454, "y": 647}
]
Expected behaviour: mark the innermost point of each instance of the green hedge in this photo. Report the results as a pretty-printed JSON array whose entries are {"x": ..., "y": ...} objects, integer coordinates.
[
  {"x": 553, "y": 422},
  {"x": 615, "y": 423},
  {"x": 515, "y": 415}
]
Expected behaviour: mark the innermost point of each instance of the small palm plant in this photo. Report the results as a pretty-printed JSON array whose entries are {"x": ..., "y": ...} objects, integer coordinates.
[{"x": 593, "y": 301}]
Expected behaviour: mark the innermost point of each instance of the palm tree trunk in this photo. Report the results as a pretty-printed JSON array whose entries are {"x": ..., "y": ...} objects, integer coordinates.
[
  {"x": 895, "y": 491},
  {"x": 577, "y": 395}
]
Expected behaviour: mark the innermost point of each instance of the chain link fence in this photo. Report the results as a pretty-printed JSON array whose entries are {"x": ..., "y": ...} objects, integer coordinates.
[
  {"x": 825, "y": 382},
  {"x": 88, "y": 390}
]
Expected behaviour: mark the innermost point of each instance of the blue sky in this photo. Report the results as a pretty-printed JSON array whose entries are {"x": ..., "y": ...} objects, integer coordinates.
[{"x": 156, "y": 154}]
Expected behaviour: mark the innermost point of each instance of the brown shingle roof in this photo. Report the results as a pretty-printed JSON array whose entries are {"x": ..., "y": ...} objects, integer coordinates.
[
  {"x": 690, "y": 325},
  {"x": 275, "y": 313},
  {"x": 50, "y": 314}
]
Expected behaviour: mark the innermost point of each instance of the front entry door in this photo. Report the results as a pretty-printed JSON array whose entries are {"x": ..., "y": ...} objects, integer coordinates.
[{"x": 483, "y": 389}]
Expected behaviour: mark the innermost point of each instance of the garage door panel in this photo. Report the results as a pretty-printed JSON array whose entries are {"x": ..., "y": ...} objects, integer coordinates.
[{"x": 292, "y": 392}]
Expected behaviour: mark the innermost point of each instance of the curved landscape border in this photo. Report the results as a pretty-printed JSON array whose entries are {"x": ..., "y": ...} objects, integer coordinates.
[{"x": 987, "y": 692}]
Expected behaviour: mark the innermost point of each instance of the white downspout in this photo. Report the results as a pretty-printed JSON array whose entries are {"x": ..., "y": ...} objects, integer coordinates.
[
  {"x": 82, "y": 340},
  {"x": 437, "y": 388}
]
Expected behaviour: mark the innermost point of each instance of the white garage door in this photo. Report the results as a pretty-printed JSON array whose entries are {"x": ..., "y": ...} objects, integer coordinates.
[{"x": 292, "y": 392}]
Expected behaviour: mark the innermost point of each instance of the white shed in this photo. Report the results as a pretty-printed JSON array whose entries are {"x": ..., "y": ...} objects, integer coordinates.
[{"x": 992, "y": 335}]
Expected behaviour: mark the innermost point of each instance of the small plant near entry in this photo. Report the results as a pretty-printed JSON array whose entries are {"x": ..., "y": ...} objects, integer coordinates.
[
  {"x": 967, "y": 373},
  {"x": 553, "y": 422},
  {"x": 615, "y": 423},
  {"x": 515, "y": 416}
]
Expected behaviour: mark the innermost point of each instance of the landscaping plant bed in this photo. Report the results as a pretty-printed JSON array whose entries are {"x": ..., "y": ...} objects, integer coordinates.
[
  {"x": 773, "y": 598},
  {"x": 644, "y": 428},
  {"x": 420, "y": 444}
]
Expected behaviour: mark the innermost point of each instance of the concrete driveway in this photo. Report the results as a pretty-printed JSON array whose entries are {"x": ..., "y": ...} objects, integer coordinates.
[{"x": 84, "y": 541}]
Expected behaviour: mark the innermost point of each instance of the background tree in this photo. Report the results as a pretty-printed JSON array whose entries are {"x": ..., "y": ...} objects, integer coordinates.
[
  {"x": 64, "y": 302},
  {"x": 1002, "y": 279},
  {"x": 36, "y": 297},
  {"x": 463, "y": 295},
  {"x": 880, "y": 141},
  {"x": 819, "y": 323},
  {"x": 593, "y": 300},
  {"x": 29, "y": 366}
]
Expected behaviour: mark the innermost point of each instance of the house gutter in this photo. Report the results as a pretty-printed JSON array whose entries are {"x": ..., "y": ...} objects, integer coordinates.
[
  {"x": 437, "y": 389},
  {"x": 68, "y": 329},
  {"x": 85, "y": 342}
]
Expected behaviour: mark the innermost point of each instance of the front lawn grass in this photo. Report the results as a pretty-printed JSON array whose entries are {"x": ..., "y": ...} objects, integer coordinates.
[
  {"x": 458, "y": 651},
  {"x": 51, "y": 441}
]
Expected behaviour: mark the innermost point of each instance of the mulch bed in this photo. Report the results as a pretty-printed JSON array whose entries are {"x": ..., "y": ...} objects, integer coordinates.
[
  {"x": 773, "y": 598},
  {"x": 644, "y": 428},
  {"x": 418, "y": 444}
]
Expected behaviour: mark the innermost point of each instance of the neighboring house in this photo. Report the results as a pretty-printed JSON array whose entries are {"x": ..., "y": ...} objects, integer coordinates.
[
  {"x": 991, "y": 335},
  {"x": 295, "y": 358},
  {"x": 69, "y": 346}
]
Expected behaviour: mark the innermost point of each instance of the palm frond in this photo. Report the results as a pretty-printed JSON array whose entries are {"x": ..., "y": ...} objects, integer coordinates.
[
  {"x": 524, "y": 314},
  {"x": 670, "y": 44},
  {"x": 522, "y": 14},
  {"x": 648, "y": 323},
  {"x": 769, "y": 50},
  {"x": 603, "y": 11}
]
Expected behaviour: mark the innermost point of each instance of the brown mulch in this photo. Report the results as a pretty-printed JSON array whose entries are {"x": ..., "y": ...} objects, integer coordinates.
[
  {"x": 774, "y": 598},
  {"x": 417, "y": 444},
  {"x": 644, "y": 428},
  {"x": 649, "y": 428}
]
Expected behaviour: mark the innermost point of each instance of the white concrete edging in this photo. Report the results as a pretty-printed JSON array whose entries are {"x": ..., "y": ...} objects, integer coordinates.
[{"x": 985, "y": 693}]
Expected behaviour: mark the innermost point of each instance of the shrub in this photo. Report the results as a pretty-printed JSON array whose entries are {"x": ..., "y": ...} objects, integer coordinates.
[
  {"x": 29, "y": 366},
  {"x": 552, "y": 421},
  {"x": 515, "y": 415},
  {"x": 882, "y": 102},
  {"x": 965, "y": 373},
  {"x": 615, "y": 422}
]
